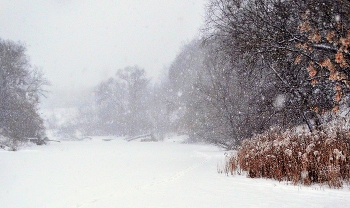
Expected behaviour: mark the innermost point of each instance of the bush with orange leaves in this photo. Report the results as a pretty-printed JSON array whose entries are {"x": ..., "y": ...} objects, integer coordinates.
[{"x": 320, "y": 157}]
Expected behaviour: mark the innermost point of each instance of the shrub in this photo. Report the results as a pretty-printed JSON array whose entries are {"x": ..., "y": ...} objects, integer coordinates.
[
  {"x": 9, "y": 144},
  {"x": 301, "y": 157},
  {"x": 231, "y": 165}
]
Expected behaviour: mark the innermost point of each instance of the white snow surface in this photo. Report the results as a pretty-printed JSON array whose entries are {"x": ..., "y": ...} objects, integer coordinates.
[{"x": 111, "y": 172}]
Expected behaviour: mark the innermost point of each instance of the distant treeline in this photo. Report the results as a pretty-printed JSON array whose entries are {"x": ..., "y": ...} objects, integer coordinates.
[{"x": 258, "y": 63}]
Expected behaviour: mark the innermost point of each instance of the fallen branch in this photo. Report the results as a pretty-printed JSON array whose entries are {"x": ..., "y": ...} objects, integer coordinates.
[{"x": 137, "y": 137}]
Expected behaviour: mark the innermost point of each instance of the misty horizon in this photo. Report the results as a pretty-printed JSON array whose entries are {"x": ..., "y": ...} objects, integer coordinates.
[{"x": 78, "y": 44}]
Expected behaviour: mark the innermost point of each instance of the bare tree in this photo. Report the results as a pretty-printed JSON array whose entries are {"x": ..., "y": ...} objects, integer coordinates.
[
  {"x": 136, "y": 84},
  {"x": 213, "y": 102},
  {"x": 296, "y": 43},
  {"x": 21, "y": 86},
  {"x": 120, "y": 106}
]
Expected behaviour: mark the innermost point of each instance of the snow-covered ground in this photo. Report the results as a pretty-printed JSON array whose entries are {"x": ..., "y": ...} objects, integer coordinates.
[{"x": 115, "y": 173}]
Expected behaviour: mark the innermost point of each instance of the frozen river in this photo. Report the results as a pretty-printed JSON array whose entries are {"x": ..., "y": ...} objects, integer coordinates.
[{"x": 116, "y": 173}]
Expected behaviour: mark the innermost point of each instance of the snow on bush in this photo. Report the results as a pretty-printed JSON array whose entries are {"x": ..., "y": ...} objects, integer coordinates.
[
  {"x": 9, "y": 144},
  {"x": 301, "y": 157},
  {"x": 230, "y": 165}
]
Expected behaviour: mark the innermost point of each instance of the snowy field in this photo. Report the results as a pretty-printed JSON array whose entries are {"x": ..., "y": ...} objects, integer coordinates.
[{"x": 116, "y": 173}]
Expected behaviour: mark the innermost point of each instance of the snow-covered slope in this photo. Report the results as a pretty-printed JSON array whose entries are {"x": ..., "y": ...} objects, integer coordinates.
[{"x": 116, "y": 173}]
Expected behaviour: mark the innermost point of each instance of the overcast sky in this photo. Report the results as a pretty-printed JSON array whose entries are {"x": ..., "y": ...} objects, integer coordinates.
[{"x": 81, "y": 42}]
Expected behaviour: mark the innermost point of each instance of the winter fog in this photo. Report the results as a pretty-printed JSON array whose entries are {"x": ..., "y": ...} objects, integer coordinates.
[
  {"x": 174, "y": 103},
  {"x": 80, "y": 43}
]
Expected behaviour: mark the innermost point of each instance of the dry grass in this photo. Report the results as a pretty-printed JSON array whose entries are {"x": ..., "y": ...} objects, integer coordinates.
[
  {"x": 306, "y": 158},
  {"x": 230, "y": 165}
]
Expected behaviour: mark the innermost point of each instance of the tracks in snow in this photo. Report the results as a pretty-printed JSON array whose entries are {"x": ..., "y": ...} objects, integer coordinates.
[{"x": 157, "y": 183}]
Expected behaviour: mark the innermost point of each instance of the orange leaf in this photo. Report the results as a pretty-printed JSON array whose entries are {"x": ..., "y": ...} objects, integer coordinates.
[
  {"x": 338, "y": 96},
  {"x": 342, "y": 77},
  {"x": 311, "y": 67},
  {"x": 297, "y": 60},
  {"x": 315, "y": 37},
  {"x": 336, "y": 109},
  {"x": 304, "y": 27},
  {"x": 344, "y": 64},
  {"x": 315, "y": 109},
  {"x": 325, "y": 63},
  {"x": 314, "y": 81},
  {"x": 345, "y": 41},
  {"x": 312, "y": 73},
  {"x": 303, "y": 46},
  {"x": 333, "y": 76},
  {"x": 338, "y": 87},
  {"x": 330, "y": 36},
  {"x": 339, "y": 58}
]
